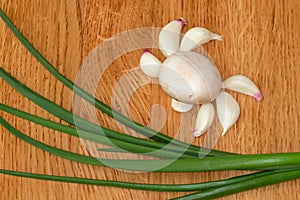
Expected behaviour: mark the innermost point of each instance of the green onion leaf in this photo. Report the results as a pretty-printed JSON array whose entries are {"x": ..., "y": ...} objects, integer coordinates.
[
  {"x": 234, "y": 162},
  {"x": 140, "y": 186}
]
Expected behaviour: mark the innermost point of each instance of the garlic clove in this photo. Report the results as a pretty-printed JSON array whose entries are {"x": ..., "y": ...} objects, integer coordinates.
[
  {"x": 169, "y": 37},
  {"x": 228, "y": 110},
  {"x": 196, "y": 37},
  {"x": 204, "y": 120},
  {"x": 242, "y": 84},
  {"x": 180, "y": 106},
  {"x": 149, "y": 63}
]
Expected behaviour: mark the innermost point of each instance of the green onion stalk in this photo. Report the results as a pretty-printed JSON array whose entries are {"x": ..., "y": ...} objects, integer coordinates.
[
  {"x": 170, "y": 155},
  {"x": 234, "y": 162},
  {"x": 205, "y": 186}
]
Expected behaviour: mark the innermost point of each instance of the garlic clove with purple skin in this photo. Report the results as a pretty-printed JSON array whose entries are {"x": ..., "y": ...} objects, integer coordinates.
[
  {"x": 149, "y": 64},
  {"x": 228, "y": 110},
  {"x": 196, "y": 37},
  {"x": 204, "y": 120},
  {"x": 180, "y": 106},
  {"x": 169, "y": 37},
  {"x": 242, "y": 84}
]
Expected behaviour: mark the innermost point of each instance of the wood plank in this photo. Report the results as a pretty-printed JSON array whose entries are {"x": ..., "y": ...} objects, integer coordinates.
[{"x": 261, "y": 41}]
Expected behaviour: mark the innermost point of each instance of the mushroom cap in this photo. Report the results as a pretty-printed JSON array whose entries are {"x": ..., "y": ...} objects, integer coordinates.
[{"x": 190, "y": 77}]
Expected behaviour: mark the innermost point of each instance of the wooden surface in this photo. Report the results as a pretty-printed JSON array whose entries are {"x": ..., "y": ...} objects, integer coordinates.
[{"x": 261, "y": 41}]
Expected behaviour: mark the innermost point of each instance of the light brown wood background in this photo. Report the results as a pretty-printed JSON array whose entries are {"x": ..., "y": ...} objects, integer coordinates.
[{"x": 261, "y": 40}]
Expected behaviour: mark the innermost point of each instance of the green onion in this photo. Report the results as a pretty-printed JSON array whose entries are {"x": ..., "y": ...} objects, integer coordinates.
[
  {"x": 98, "y": 104},
  {"x": 234, "y": 162},
  {"x": 140, "y": 186}
]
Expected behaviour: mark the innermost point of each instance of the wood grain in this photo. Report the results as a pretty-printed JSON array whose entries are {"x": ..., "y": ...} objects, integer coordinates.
[{"x": 261, "y": 41}]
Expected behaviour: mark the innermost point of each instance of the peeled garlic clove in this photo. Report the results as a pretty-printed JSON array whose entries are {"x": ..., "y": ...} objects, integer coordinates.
[
  {"x": 169, "y": 37},
  {"x": 242, "y": 84},
  {"x": 228, "y": 110},
  {"x": 180, "y": 106},
  {"x": 196, "y": 37},
  {"x": 149, "y": 63},
  {"x": 204, "y": 120}
]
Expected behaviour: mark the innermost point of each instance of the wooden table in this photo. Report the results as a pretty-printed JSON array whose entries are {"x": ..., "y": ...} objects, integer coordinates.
[{"x": 261, "y": 41}]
